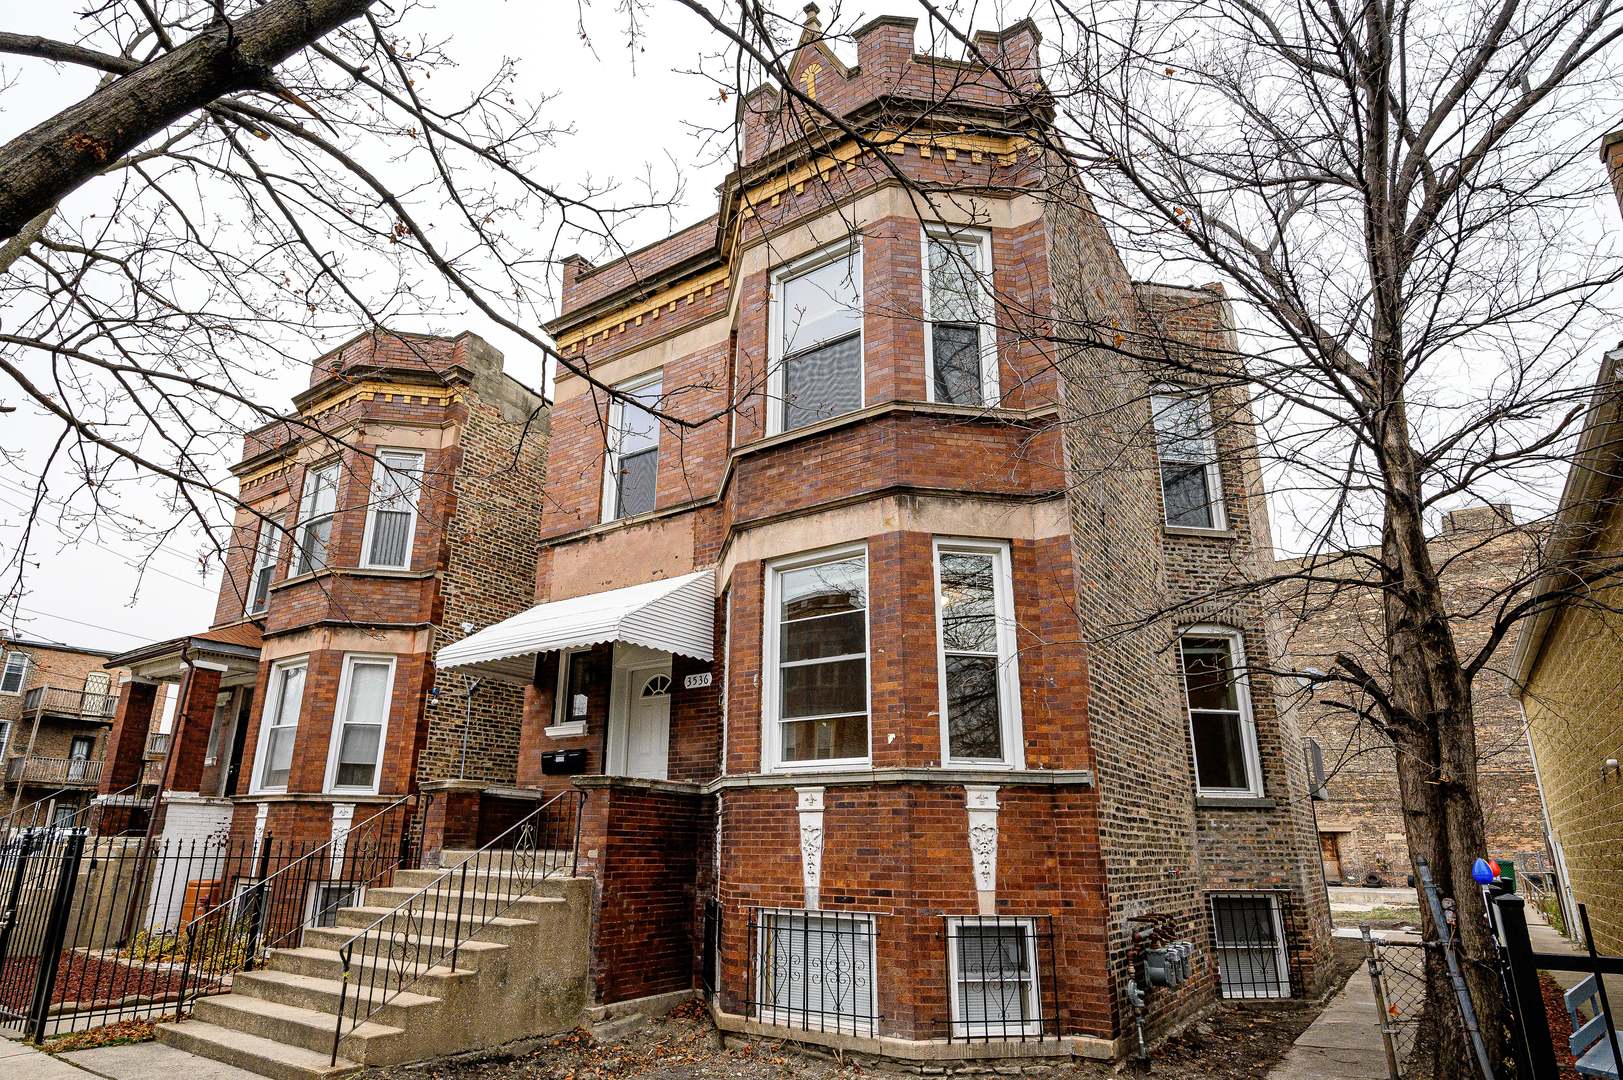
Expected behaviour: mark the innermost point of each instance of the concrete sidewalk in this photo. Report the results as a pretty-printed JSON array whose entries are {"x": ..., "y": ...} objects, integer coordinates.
[
  {"x": 137, "y": 1061},
  {"x": 1344, "y": 1043}
]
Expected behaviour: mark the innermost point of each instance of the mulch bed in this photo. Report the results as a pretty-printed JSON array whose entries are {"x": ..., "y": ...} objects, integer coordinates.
[
  {"x": 86, "y": 979},
  {"x": 1555, "y": 1008}
]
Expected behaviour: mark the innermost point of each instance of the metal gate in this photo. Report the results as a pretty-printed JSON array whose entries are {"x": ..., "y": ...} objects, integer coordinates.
[{"x": 1398, "y": 971}]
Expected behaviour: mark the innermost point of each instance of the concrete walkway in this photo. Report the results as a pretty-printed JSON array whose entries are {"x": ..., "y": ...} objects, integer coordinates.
[
  {"x": 138, "y": 1061},
  {"x": 1344, "y": 1043}
]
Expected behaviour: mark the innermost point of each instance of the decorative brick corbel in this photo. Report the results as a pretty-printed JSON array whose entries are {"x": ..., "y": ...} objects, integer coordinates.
[
  {"x": 981, "y": 801},
  {"x": 809, "y": 801},
  {"x": 343, "y": 816},
  {"x": 261, "y": 812}
]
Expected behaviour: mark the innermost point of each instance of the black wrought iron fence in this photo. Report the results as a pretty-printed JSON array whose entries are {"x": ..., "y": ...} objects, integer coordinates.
[
  {"x": 429, "y": 928},
  {"x": 1000, "y": 979},
  {"x": 291, "y": 887},
  {"x": 813, "y": 970}
]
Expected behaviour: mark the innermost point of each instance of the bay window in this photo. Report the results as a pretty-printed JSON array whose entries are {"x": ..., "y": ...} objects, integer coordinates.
[
  {"x": 356, "y": 753},
  {"x": 1220, "y": 723},
  {"x": 268, "y": 546},
  {"x": 632, "y": 464},
  {"x": 816, "y": 345},
  {"x": 280, "y": 724},
  {"x": 317, "y": 507},
  {"x": 960, "y": 342},
  {"x": 980, "y": 686},
  {"x": 817, "y": 669},
  {"x": 1191, "y": 485},
  {"x": 391, "y": 518}
]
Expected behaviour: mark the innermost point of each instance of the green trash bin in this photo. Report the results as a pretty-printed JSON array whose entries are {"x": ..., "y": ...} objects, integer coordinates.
[{"x": 1507, "y": 873}]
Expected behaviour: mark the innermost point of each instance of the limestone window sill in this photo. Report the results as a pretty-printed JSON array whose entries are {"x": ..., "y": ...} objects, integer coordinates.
[
  {"x": 1209, "y": 802},
  {"x": 1203, "y": 534}
]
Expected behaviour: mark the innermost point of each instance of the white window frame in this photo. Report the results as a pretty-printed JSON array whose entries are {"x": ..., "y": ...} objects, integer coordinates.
[
  {"x": 991, "y": 394},
  {"x": 22, "y": 672},
  {"x": 785, "y": 1016},
  {"x": 318, "y": 889},
  {"x": 771, "y": 725},
  {"x": 981, "y": 1029},
  {"x": 375, "y": 499},
  {"x": 1008, "y": 677},
  {"x": 563, "y": 725},
  {"x": 1247, "y": 721},
  {"x": 776, "y": 320},
  {"x": 306, "y": 504},
  {"x": 335, "y": 738},
  {"x": 228, "y": 699},
  {"x": 5, "y": 738},
  {"x": 1214, "y": 472},
  {"x": 611, "y": 454},
  {"x": 1281, "y": 953},
  {"x": 263, "y": 557},
  {"x": 269, "y": 718}
]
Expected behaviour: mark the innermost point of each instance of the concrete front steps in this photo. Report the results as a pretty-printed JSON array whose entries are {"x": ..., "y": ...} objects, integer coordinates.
[{"x": 524, "y": 975}]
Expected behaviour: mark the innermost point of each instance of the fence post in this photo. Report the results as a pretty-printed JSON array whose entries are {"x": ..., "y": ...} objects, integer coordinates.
[
  {"x": 256, "y": 913},
  {"x": 56, "y": 929},
  {"x": 1380, "y": 1002},
  {"x": 1535, "y": 1055},
  {"x": 10, "y": 914}
]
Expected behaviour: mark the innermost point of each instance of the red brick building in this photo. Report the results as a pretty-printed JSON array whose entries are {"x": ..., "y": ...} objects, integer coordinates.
[
  {"x": 847, "y": 646},
  {"x": 394, "y": 508}
]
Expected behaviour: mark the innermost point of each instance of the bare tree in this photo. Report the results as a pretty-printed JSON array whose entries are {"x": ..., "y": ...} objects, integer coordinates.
[
  {"x": 1399, "y": 200},
  {"x": 244, "y": 185}
]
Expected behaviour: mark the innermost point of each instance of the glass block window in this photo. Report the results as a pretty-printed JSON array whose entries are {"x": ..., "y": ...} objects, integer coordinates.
[
  {"x": 632, "y": 465},
  {"x": 819, "y": 627},
  {"x": 818, "y": 342},
  {"x": 1220, "y": 722},
  {"x": 963, "y": 368},
  {"x": 397, "y": 478},
  {"x": 1250, "y": 942},
  {"x": 1191, "y": 486},
  {"x": 815, "y": 971}
]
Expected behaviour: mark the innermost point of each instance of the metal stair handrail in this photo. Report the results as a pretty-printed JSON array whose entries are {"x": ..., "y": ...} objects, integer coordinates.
[
  {"x": 231, "y": 935},
  {"x": 532, "y": 857}
]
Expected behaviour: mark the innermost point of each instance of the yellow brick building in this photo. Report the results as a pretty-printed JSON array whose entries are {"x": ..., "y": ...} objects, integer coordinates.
[{"x": 1568, "y": 670}]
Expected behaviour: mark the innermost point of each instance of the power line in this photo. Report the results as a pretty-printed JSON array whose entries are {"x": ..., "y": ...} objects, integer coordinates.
[
  {"x": 81, "y": 622},
  {"x": 119, "y": 554},
  {"x": 24, "y": 490}
]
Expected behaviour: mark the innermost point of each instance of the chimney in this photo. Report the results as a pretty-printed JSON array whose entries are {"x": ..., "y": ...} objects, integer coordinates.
[
  {"x": 885, "y": 45},
  {"x": 1492, "y": 518}
]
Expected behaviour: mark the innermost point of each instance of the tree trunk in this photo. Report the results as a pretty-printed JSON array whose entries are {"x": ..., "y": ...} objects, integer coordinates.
[{"x": 43, "y": 165}]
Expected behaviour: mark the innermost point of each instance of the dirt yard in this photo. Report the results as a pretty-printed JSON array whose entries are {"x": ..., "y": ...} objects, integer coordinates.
[{"x": 1238, "y": 1042}]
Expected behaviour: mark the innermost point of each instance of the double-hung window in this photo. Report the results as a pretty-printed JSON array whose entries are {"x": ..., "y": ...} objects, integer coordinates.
[
  {"x": 632, "y": 463},
  {"x": 992, "y": 969},
  {"x": 268, "y": 546},
  {"x": 980, "y": 686},
  {"x": 960, "y": 346},
  {"x": 816, "y": 370},
  {"x": 1191, "y": 484},
  {"x": 578, "y": 675},
  {"x": 356, "y": 754},
  {"x": 317, "y": 507},
  {"x": 1251, "y": 958},
  {"x": 280, "y": 724},
  {"x": 1219, "y": 704},
  {"x": 817, "y": 644},
  {"x": 391, "y": 518},
  {"x": 14, "y": 675}
]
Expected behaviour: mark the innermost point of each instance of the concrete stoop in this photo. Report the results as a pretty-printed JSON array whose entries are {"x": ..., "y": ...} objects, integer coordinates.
[{"x": 525, "y": 975}]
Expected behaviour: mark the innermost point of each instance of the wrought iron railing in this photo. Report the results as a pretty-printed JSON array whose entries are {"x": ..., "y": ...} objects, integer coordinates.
[
  {"x": 288, "y": 888},
  {"x": 40, "y": 814},
  {"x": 429, "y": 928},
  {"x": 157, "y": 744},
  {"x": 1000, "y": 979},
  {"x": 62, "y": 701},
  {"x": 36, "y": 769},
  {"x": 813, "y": 970}
]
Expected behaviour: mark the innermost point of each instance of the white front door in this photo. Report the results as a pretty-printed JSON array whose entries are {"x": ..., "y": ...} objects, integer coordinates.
[{"x": 646, "y": 732}]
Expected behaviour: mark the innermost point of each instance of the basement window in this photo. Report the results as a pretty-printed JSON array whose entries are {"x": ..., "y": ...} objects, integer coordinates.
[
  {"x": 992, "y": 977},
  {"x": 1250, "y": 941},
  {"x": 815, "y": 971}
]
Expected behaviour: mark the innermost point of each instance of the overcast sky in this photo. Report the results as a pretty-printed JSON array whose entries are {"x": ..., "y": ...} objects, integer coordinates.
[{"x": 628, "y": 114}]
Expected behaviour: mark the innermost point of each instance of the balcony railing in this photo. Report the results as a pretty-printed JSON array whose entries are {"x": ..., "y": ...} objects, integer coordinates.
[
  {"x": 61, "y": 701},
  {"x": 157, "y": 744},
  {"x": 33, "y": 769}
]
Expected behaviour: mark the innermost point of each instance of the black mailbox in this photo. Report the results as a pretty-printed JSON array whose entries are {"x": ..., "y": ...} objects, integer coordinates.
[{"x": 563, "y": 762}]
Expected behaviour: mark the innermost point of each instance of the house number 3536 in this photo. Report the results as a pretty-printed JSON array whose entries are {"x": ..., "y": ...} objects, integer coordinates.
[{"x": 696, "y": 682}]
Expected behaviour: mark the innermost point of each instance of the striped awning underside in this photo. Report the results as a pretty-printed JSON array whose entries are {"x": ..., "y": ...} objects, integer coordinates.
[{"x": 674, "y": 615}]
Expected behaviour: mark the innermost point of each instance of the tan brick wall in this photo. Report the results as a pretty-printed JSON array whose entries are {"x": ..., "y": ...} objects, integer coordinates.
[
  {"x": 61, "y": 667},
  {"x": 1572, "y": 709}
]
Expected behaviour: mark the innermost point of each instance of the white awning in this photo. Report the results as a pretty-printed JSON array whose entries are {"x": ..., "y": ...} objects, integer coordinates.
[{"x": 674, "y": 615}]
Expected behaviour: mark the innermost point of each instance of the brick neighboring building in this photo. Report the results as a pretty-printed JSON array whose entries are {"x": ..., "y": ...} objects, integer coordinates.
[
  {"x": 398, "y": 506},
  {"x": 1483, "y": 554},
  {"x": 840, "y": 660},
  {"x": 56, "y": 703}
]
